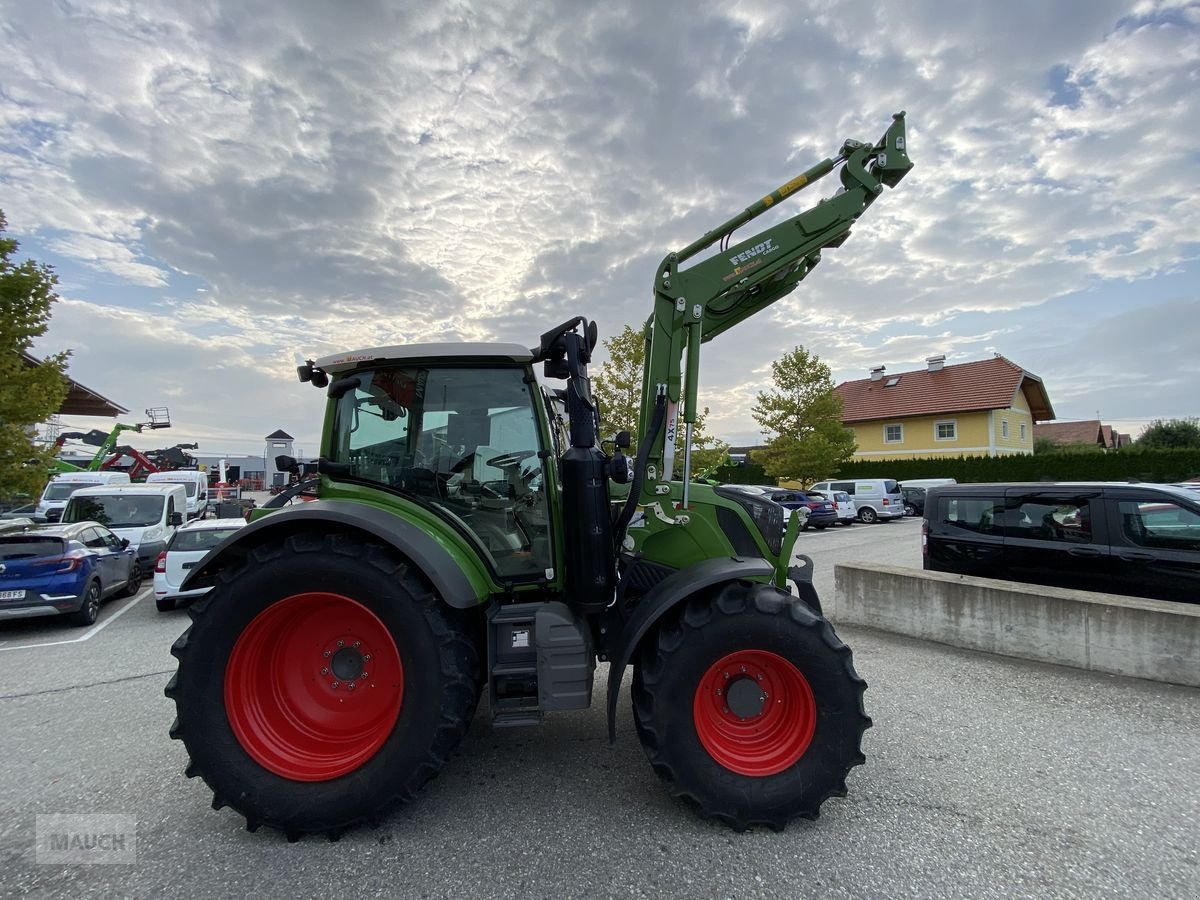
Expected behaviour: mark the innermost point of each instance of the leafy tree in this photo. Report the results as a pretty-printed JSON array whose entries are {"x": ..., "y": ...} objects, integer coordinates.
[
  {"x": 618, "y": 387},
  {"x": 802, "y": 421},
  {"x": 28, "y": 394},
  {"x": 1170, "y": 434}
]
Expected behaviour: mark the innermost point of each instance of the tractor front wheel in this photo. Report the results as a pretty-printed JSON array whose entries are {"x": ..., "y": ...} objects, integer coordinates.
[
  {"x": 748, "y": 706},
  {"x": 320, "y": 684}
]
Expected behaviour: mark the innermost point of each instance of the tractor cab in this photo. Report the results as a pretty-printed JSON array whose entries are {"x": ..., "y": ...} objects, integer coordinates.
[{"x": 456, "y": 429}]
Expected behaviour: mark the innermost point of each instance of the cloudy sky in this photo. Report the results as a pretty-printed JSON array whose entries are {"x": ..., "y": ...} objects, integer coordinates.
[{"x": 225, "y": 186}]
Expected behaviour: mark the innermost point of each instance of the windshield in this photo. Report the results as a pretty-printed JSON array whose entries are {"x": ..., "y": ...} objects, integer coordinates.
[
  {"x": 61, "y": 490},
  {"x": 203, "y": 539},
  {"x": 189, "y": 487},
  {"x": 116, "y": 511},
  {"x": 462, "y": 441}
]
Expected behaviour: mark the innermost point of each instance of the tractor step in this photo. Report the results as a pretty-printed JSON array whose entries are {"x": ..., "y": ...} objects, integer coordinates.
[{"x": 539, "y": 659}]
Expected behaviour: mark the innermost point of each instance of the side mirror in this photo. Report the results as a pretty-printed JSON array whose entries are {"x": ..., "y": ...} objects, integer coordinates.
[
  {"x": 124, "y": 543},
  {"x": 623, "y": 440},
  {"x": 176, "y": 519},
  {"x": 285, "y": 463}
]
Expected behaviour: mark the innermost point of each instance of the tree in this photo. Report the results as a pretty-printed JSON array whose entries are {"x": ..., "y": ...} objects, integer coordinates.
[
  {"x": 618, "y": 388},
  {"x": 802, "y": 421},
  {"x": 28, "y": 394},
  {"x": 1171, "y": 434}
]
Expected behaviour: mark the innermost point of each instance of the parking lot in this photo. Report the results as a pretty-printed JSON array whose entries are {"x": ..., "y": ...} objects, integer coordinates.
[{"x": 986, "y": 777}]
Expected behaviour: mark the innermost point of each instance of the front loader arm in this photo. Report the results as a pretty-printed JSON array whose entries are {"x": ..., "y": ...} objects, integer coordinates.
[{"x": 694, "y": 305}]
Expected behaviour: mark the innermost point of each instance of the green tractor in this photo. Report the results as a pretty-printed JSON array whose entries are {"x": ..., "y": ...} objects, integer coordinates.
[{"x": 472, "y": 534}]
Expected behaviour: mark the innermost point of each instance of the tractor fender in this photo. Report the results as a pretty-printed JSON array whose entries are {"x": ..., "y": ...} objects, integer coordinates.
[
  {"x": 663, "y": 597},
  {"x": 427, "y": 554}
]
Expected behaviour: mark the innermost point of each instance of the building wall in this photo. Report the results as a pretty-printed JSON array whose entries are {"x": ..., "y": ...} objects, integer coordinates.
[
  {"x": 1017, "y": 415},
  {"x": 975, "y": 434}
]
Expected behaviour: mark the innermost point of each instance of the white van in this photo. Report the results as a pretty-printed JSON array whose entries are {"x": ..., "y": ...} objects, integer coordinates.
[
  {"x": 146, "y": 514},
  {"x": 926, "y": 482},
  {"x": 195, "y": 483},
  {"x": 60, "y": 488},
  {"x": 875, "y": 499}
]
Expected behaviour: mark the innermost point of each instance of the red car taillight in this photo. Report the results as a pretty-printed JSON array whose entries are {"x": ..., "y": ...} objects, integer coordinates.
[
  {"x": 160, "y": 564},
  {"x": 68, "y": 562},
  {"x": 885, "y": 501}
]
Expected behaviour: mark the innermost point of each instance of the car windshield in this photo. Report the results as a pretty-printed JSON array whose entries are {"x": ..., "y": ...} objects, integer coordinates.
[
  {"x": 189, "y": 487},
  {"x": 61, "y": 490},
  {"x": 30, "y": 546},
  {"x": 201, "y": 539},
  {"x": 116, "y": 511}
]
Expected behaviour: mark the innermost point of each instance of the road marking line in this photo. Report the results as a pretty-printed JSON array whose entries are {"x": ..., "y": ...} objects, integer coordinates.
[{"x": 91, "y": 632}]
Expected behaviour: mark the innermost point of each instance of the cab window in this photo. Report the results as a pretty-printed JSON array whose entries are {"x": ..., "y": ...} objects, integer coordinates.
[{"x": 463, "y": 442}]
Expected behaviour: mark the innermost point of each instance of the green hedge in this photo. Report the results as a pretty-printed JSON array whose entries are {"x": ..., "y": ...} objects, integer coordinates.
[{"x": 1141, "y": 465}]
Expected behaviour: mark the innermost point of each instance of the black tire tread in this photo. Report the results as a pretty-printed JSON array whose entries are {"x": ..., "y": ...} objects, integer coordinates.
[
  {"x": 458, "y": 700},
  {"x": 732, "y": 600}
]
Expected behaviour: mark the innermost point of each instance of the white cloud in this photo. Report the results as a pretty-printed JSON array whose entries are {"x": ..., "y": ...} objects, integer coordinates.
[{"x": 402, "y": 172}]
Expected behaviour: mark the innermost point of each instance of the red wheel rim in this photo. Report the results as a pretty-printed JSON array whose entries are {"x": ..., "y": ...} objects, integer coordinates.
[
  {"x": 772, "y": 718},
  {"x": 313, "y": 686}
]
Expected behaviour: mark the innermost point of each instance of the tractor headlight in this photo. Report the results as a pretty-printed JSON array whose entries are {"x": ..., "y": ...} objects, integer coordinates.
[{"x": 766, "y": 514}]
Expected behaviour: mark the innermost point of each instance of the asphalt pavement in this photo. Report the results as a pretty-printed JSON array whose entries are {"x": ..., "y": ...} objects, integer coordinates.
[{"x": 986, "y": 777}]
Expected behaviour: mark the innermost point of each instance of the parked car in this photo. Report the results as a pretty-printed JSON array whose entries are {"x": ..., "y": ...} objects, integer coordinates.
[
  {"x": 875, "y": 499},
  {"x": 187, "y": 547},
  {"x": 59, "y": 489},
  {"x": 843, "y": 505},
  {"x": 1137, "y": 539},
  {"x": 64, "y": 569},
  {"x": 914, "y": 500},
  {"x": 146, "y": 514},
  {"x": 913, "y": 492},
  {"x": 195, "y": 485},
  {"x": 821, "y": 511}
]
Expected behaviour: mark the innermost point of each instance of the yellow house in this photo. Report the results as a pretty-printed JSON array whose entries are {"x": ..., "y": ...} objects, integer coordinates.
[{"x": 981, "y": 408}]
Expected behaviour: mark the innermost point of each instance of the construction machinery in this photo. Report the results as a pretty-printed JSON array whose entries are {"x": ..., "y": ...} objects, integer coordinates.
[
  {"x": 106, "y": 444},
  {"x": 473, "y": 536}
]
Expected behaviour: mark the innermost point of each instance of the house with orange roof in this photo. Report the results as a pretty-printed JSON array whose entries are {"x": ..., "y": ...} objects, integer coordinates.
[
  {"x": 983, "y": 408},
  {"x": 1089, "y": 431}
]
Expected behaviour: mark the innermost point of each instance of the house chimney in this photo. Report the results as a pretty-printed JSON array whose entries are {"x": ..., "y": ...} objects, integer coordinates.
[
  {"x": 877, "y": 373},
  {"x": 936, "y": 362}
]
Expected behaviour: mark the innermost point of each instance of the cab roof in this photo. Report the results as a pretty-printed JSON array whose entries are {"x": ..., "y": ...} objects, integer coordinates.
[{"x": 438, "y": 352}]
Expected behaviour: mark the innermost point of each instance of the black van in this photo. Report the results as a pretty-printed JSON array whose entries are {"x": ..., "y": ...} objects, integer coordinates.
[{"x": 1141, "y": 540}]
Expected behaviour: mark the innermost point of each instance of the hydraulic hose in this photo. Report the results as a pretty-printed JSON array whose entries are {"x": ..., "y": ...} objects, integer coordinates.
[{"x": 639, "y": 472}]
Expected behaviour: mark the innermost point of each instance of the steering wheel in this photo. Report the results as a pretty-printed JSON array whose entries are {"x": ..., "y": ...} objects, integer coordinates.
[{"x": 508, "y": 460}]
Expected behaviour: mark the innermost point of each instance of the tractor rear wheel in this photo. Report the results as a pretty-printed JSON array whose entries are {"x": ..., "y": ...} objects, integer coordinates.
[
  {"x": 748, "y": 706},
  {"x": 321, "y": 683}
]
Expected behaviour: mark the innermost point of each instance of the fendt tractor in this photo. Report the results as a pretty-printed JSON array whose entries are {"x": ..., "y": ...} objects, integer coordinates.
[{"x": 473, "y": 534}]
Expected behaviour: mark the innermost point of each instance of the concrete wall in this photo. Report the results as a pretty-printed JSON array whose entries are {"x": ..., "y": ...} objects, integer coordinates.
[{"x": 1103, "y": 632}]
